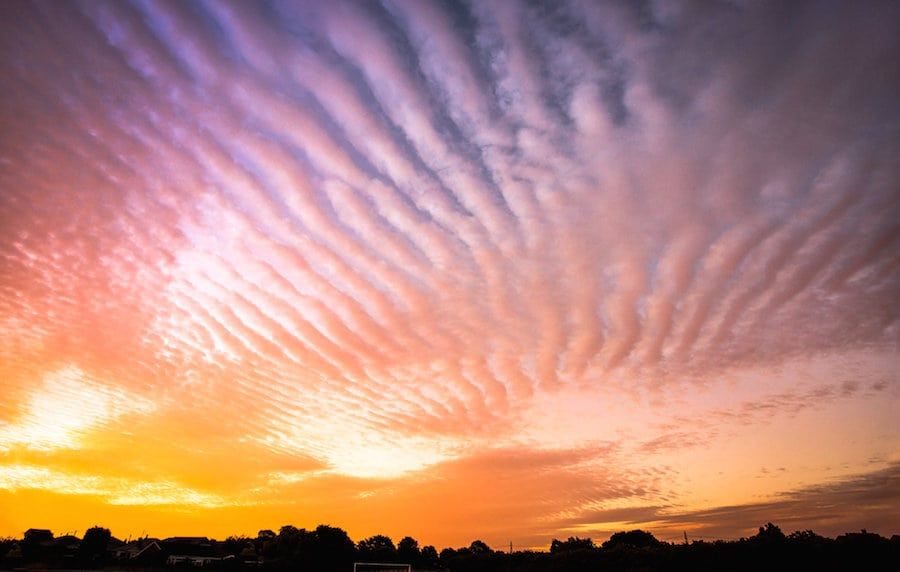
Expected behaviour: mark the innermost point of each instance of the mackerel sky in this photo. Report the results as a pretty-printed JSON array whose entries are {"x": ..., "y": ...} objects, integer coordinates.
[{"x": 494, "y": 269}]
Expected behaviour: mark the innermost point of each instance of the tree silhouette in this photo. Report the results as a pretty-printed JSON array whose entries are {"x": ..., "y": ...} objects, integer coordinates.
[
  {"x": 805, "y": 536},
  {"x": 266, "y": 542},
  {"x": 408, "y": 550},
  {"x": 266, "y": 534},
  {"x": 290, "y": 543},
  {"x": 429, "y": 557},
  {"x": 93, "y": 545},
  {"x": 769, "y": 533},
  {"x": 235, "y": 545},
  {"x": 378, "y": 548},
  {"x": 572, "y": 543},
  {"x": 479, "y": 547},
  {"x": 631, "y": 539},
  {"x": 330, "y": 549}
]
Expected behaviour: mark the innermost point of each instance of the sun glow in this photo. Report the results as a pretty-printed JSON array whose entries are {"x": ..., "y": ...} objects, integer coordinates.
[{"x": 64, "y": 407}]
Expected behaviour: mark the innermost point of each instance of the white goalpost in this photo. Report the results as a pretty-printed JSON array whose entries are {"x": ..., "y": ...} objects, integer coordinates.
[{"x": 381, "y": 567}]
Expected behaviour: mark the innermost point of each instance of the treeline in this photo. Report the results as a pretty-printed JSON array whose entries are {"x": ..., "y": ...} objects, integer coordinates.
[{"x": 328, "y": 549}]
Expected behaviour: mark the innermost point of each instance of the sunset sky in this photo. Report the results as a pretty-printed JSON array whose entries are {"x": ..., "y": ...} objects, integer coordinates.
[{"x": 489, "y": 269}]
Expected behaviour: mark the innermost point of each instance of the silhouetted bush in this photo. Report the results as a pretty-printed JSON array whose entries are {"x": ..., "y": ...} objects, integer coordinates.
[
  {"x": 570, "y": 544},
  {"x": 378, "y": 548},
  {"x": 92, "y": 551},
  {"x": 631, "y": 539}
]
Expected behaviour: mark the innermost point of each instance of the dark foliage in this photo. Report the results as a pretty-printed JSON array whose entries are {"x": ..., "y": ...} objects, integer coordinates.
[
  {"x": 7, "y": 545},
  {"x": 633, "y": 539},
  {"x": 408, "y": 551},
  {"x": 378, "y": 548},
  {"x": 571, "y": 544},
  {"x": 93, "y": 546},
  {"x": 330, "y": 549}
]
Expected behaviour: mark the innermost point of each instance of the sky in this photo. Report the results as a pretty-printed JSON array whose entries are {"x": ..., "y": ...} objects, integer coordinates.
[{"x": 501, "y": 270}]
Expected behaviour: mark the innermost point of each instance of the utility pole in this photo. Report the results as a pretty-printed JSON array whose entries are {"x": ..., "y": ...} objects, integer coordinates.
[
  {"x": 685, "y": 536},
  {"x": 510, "y": 546}
]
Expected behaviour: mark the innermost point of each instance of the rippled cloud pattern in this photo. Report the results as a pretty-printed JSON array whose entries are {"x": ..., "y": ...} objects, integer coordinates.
[{"x": 362, "y": 246}]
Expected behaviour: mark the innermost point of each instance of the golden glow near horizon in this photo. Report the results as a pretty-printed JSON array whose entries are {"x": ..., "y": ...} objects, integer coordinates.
[{"x": 490, "y": 270}]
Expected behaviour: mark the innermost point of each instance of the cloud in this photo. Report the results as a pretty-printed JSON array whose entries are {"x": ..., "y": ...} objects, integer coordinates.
[
  {"x": 66, "y": 407},
  {"x": 494, "y": 492},
  {"x": 344, "y": 206},
  {"x": 831, "y": 508},
  {"x": 391, "y": 228},
  {"x": 114, "y": 491}
]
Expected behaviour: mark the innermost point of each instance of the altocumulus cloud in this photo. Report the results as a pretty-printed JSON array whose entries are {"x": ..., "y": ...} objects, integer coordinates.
[{"x": 371, "y": 235}]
